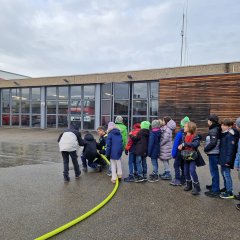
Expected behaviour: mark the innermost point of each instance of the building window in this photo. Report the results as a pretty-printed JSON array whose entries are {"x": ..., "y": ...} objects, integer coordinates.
[{"x": 106, "y": 103}]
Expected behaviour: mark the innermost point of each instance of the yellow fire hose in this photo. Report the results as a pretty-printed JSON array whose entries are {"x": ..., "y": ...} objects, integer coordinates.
[{"x": 84, "y": 216}]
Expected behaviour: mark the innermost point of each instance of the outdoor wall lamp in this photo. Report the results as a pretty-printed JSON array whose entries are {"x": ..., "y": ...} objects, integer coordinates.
[
  {"x": 16, "y": 83},
  {"x": 65, "y": 80}
]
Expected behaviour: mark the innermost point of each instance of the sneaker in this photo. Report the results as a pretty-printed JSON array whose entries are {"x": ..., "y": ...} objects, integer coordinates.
[
  {"x": 153, "y": 177},
  {"x": 66, "y": 179},
  {"x": 223, "y": 190},
  {"x": 209, "y": 187},
  {"x": 212, "y": 194},
  {"x": 85, "y": 169},
  {"x": 227, "y": 195},
  {"x": 99, "y": 168},
  {"x": 237, "y": 197},
  {"x": 238, "y": 207},
  {"x": 109, "y": 173},
  {"x": 130, "y": 178},
  {"x": 176, "y": 182},
  {"x": 139, "y": 179},
  {"x": 145, "y": 178},
  {"x": 135, "y": 174},
  {"x": 166, "y": 176}
]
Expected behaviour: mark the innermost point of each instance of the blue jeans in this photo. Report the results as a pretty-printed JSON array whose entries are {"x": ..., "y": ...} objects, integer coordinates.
[
  {"x": 65, "y": 156},
  {"x": 132, "y": 163},
  {"x": 155, "y": 165},
  {"x": 213, "y": 166},
  {"x": 141, "y": 165},
  {"x": 226, "y": 173},
  {"x": 90, "y": 163},
  {"x": 190, "y": 171},
  {"x": 179, "y": 169}
]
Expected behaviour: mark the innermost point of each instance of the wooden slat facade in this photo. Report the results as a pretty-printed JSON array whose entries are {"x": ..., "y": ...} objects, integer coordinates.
[{"x": 197, "y": 97}]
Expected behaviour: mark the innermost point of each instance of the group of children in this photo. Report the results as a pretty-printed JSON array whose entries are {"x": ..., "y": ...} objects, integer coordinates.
[{"x": 154, "y": 140}]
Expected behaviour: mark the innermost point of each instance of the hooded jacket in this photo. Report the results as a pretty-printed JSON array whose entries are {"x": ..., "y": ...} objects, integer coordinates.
[
  {"x": 70, "y": 139},
  {"x": 114, "y": 144},
  {"x": 130, "y": 144},
  {"x": 123, "y": 130},
  {"x": 166, "y": 140},
  {"x": 90, "y": 147},
  {"x": 141, "y": 141},
  {"x": 228, "y": 148},
  {"x": 213, "y": 139},
  {"x": 176, "y": 143},
  {"x": 154, "y": 143}
]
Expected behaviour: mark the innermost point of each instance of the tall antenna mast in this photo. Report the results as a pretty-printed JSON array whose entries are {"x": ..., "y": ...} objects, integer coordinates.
[{"x": 182, "y": 35}]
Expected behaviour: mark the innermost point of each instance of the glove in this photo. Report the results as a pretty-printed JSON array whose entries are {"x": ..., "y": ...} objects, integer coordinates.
[
  {"x": 102, "y": 151},
  {"x": 126, "y": 152}
]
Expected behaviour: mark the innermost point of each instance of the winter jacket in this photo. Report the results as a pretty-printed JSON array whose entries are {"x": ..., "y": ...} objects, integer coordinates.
[
  {"x": 101, "y": 145},
  {"x": 154, "y": 143},
  {"x": 177, "y": 142},
  {"x": 69, "y": 140},
  {"x": 130, "y": 144},
  {"x": 213, "y": 139},
  {"x": 114, "y": 144},
  {"x": 237, "y": 160},
  {"x": 228, "y": 148},
  {"x": 90, "y": 147},
  {"x": 194, "y": 145},
  {"x": 123, "y": 130},
  {"x": 141, "y": 141},
  {"x": 166, "y": 140}
]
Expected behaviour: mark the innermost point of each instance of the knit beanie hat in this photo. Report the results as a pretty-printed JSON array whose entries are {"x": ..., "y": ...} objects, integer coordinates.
[
  {"x": 213, "y": 118},
  {"x": 155, "y": 124},
  {"x": 119, "y": 119},
  {"x": 184, "y": 120},
  {"x": 145, "y": 125},
  {"x": 111, "y": 125},
  {"x": 238, "y": 122}
]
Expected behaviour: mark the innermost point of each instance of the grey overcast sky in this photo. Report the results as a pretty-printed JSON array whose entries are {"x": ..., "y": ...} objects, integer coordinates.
[{"x": 68, "y": 37}]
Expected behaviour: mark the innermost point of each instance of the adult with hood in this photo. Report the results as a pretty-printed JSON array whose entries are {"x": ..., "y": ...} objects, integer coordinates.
[
  {"x": 68, "y": 142},
  {"x": 130, "y": 148},
  {"x": 166, "y": 146},
  {"x": 141, "y": 151},
  {"x": 212, "y": 150},
  {"x": 154, "y": 149},
  {"x": 114, "y": 150},
  {"x": 123, "y": 129}
]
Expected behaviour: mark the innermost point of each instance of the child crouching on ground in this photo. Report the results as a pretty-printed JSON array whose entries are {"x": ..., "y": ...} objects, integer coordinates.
[
  {"x": 114, "y": 150},
  {"x": 90, "y": 156},
  {"x": 192, "y": 157}
]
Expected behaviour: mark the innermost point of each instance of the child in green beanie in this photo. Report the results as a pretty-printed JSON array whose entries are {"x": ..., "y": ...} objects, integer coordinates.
[{"x": 141, "y": 151}]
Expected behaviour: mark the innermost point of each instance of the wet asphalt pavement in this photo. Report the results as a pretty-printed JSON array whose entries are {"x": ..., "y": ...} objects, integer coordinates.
[{"x": 35, "y": 200}]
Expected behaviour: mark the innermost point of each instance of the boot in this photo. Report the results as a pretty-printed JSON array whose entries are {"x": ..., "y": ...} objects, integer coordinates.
[
  {"x": 196, "y": 188},
  {"x": 188, "y": 185}
]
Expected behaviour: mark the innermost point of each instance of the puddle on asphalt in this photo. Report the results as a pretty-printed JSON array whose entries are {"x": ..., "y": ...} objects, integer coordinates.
[{"x": 16, "y": 154}]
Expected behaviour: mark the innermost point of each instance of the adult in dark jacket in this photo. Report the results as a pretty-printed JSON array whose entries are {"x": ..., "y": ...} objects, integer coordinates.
[
  {"x": 212, "y": 150},
  {"x": 141, "y": 151},
  {"x": 68, "y": 142},
  {"x": 154, "y": 149},
  {"x": 228, "y": 150},
  {"x": 114, "y": 150},
  {"x": 90, "y": 153}
]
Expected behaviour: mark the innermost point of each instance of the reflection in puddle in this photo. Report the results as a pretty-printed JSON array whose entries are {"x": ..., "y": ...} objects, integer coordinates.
[{"x": 15, "y": 154}]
